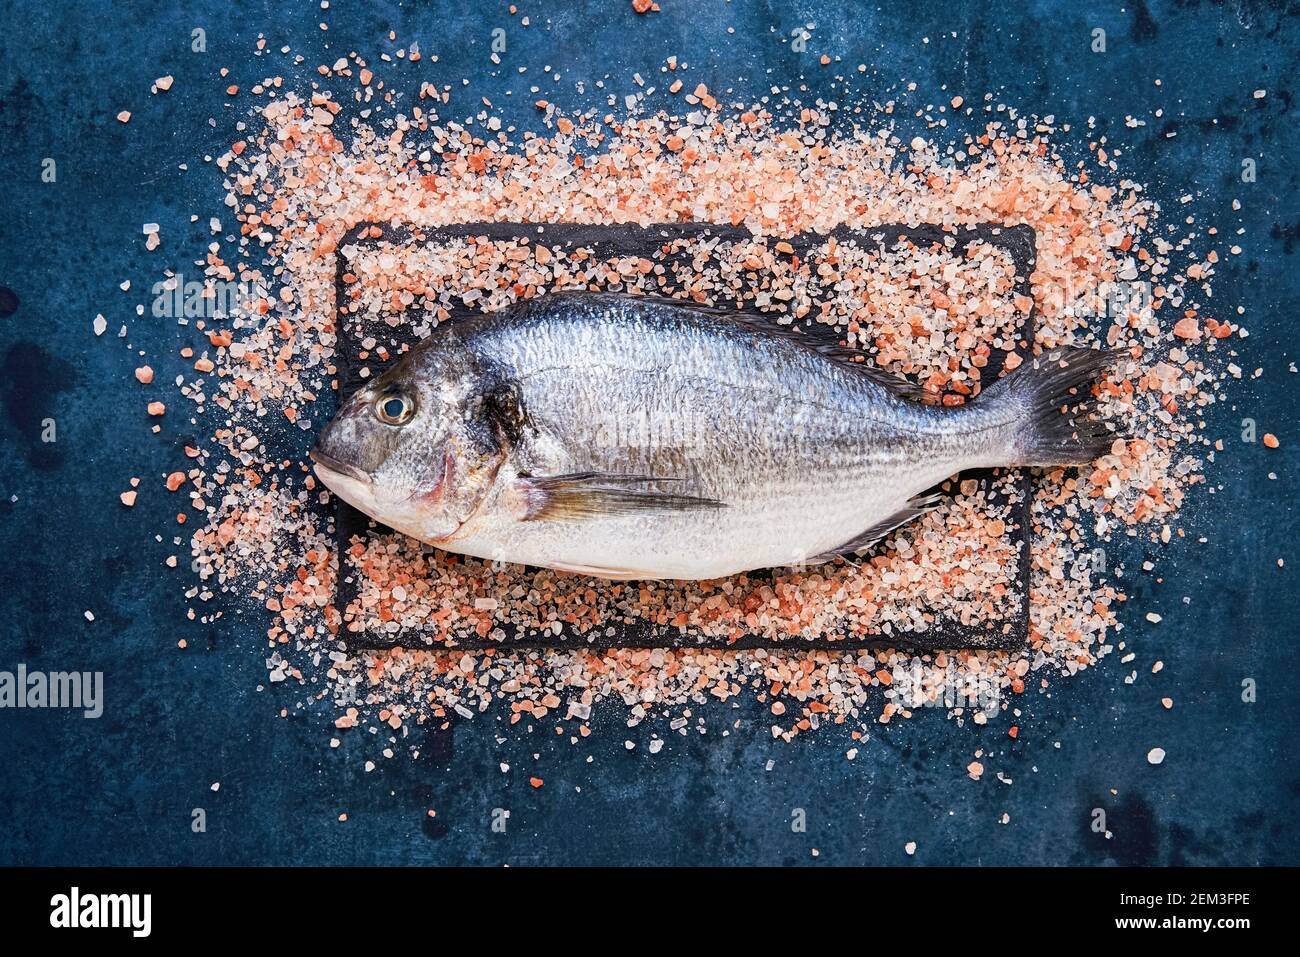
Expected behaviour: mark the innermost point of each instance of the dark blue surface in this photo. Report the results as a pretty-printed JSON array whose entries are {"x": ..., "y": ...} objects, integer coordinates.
[{"x": 120, "y": 789}]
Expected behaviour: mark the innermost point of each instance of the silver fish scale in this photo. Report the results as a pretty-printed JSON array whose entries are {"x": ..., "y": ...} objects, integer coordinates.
[{"x": 805, "y": 451}]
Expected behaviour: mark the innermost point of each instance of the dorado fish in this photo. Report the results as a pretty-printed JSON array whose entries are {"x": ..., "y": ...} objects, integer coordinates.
[{"x": 628, "y": 437}]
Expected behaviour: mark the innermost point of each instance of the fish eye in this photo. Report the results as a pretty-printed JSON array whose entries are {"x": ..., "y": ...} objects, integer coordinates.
[{"x": 394, "y": 409}]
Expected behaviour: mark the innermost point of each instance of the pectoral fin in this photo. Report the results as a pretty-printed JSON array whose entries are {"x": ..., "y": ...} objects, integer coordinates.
[{"x": 586, "y": 495}]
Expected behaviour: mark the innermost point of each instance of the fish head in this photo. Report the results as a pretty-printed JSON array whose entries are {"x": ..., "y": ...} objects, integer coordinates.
[{"x": 419, "y": 447}]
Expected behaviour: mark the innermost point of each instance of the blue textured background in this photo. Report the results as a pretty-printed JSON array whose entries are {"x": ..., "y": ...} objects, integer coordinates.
[{"x": 121, "y": 789}]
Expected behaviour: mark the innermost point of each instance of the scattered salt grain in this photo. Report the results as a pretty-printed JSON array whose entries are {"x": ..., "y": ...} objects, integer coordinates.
[{"x": 270, "y": 537}]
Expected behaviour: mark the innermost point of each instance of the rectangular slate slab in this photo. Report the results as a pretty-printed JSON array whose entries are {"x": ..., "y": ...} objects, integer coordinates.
[{"x": 604, "y": 242}]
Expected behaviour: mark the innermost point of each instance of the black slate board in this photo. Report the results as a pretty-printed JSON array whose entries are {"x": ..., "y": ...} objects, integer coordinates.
[{"x": 625, "y": 240}]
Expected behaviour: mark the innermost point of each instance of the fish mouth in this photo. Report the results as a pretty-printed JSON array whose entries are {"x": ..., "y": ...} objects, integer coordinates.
[{"x": 328, "y": 462}]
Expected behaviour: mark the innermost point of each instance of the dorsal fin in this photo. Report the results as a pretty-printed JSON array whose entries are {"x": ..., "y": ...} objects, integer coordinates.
[{"x": 810, "y": 336}]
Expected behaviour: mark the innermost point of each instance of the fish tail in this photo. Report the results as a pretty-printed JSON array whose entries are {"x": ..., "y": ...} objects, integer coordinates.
[{"x": 1054, "y": 420}]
